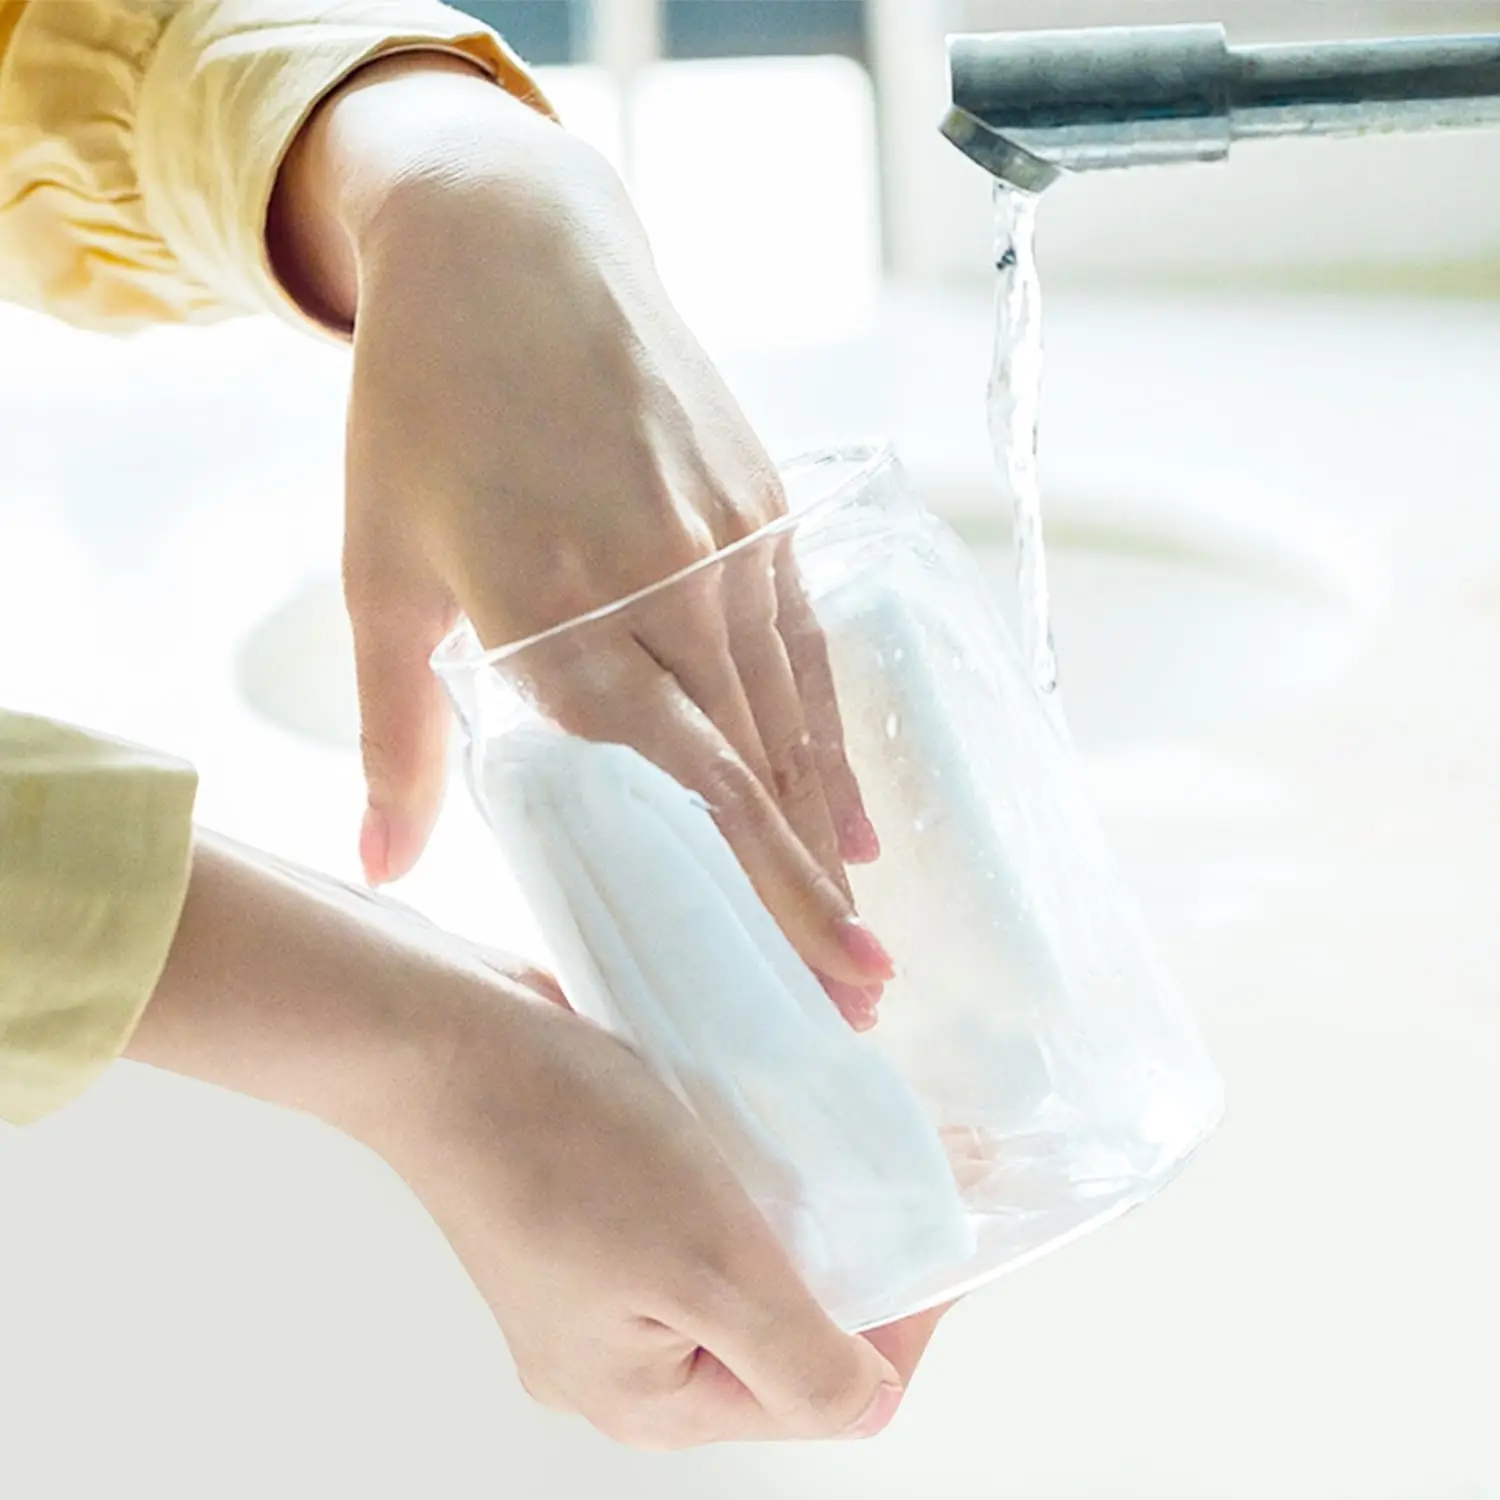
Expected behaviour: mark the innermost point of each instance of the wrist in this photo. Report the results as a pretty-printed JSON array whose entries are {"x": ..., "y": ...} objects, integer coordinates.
[{"x": 392, "y": 150}]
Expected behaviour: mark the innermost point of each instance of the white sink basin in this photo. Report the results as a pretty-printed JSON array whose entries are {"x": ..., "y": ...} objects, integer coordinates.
[
  {"x": 1184, "y": 604},
  {"x": 296, "y": 667}
]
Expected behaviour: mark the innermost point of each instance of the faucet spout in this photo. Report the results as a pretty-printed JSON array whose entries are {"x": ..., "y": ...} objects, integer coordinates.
[{"x": 1030, "y": 106}]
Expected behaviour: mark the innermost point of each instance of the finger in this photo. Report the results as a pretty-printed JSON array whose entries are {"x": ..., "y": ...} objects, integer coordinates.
[
  {"x": 771, "y": 689},
  {"x": 757, "y": 1319},
  {"x": 403, "y": 722},
  {"x": 751, "y": 697},
  {"x": 687, "y": 635},
  {"x": 811, "y": 908},
  {"x": 607, "y": 687},
  {"x": 741, "y": 1350},
  {"x": 834, "y": 1392},
  {"x": 536, "y": 984},
  {"x": 905, "y": 1342},
  {"x": 664, "y": 1403},
  {"x": 808, "y": 1377},
  {"x": 699, "y": 1400},
  {"x": 744, "y": 1355},
  {"x": 641, "y": 1382},
  {"x": 807, "y": 653}
]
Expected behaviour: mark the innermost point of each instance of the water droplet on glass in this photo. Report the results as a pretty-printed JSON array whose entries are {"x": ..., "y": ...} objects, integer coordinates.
[{"x": 892, "y": 725}]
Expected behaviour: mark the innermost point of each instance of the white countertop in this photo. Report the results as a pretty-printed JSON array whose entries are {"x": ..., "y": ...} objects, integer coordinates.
[{"x": 234, "y": 1302}]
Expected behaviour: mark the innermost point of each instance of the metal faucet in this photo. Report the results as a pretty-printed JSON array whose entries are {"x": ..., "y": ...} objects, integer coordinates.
[{"x": 1029, "y": 106}]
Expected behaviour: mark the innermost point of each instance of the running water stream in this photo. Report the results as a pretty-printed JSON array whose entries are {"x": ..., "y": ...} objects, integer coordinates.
[{"x": 1014, "y": 397}]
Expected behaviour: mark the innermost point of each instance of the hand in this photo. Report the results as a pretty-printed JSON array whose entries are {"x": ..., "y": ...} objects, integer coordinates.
[
  {"x": 633, "y": 1279},
  {"x": 533, "y": 434}
]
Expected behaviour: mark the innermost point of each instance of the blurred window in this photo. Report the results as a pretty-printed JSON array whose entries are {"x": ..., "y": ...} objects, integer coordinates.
[
  {"x": 764, "y": 28},
  {"x": 545, "y": 32},
  {"x": 550, "y": 32},
  {"x": 766, "y": 229}
]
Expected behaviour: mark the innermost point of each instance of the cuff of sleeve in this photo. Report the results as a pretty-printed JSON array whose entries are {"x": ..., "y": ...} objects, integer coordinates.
[
  {"x": 95, "y": 853},
  {"x": 229, "y": 88}
]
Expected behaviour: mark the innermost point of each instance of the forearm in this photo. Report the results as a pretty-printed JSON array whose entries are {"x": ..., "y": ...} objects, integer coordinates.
[{"x": 292, "y": 995}]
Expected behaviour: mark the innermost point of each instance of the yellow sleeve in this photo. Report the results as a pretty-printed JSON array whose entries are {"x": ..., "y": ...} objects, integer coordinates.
[
  {"x": 140, "y": 140},
  {"x": 95, "y": 849}
]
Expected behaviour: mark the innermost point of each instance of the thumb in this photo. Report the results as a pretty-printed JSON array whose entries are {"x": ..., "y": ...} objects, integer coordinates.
[
  {"x": 403, "y": 725},
  {"x": 809, "y": 1377}
]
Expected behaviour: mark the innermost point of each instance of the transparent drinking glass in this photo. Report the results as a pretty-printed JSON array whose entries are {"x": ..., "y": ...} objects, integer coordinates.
[{"x": 1031, "y": 1072}]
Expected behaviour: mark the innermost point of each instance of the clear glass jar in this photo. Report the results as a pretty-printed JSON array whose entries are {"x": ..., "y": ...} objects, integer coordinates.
[{"x": 1032, "y": 1072}]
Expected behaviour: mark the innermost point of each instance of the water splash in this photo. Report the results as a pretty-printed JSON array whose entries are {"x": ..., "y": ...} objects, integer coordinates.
[{"x": 1014, "y": 399}]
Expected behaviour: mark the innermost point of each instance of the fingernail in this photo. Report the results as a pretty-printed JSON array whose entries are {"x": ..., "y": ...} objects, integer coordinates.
[
  {"x": 877, "y": 1415},
  {"x": 375, "y": 846},
  {"x": 856, "y": 1003},
  {"x": 859, "y": 843},
  {"x": 865, "y": 949}
]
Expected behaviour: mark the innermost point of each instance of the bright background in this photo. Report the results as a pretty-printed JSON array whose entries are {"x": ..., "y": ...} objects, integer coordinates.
[{"x": 1273, "y": 470}]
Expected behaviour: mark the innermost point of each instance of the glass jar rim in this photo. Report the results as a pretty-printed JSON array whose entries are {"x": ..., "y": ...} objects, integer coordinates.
[{"x": 460, "y": 650}]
